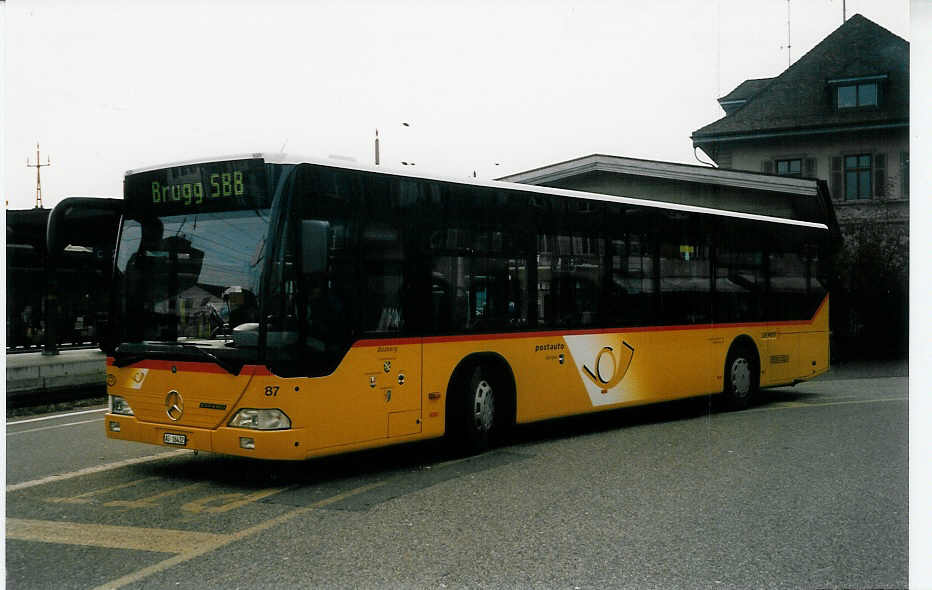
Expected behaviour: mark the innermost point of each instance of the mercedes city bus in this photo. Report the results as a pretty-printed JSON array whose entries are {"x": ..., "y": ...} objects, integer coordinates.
[{"x": 286, "y": 308}]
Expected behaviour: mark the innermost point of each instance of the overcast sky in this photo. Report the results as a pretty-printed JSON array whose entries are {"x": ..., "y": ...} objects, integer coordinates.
[{"x": 109, "y": 86}]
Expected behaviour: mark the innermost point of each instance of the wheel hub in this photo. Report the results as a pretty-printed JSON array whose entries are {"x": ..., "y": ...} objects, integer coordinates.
[
  {"x": 484, "y": 408},
  {"x": 741, "y": 377}
]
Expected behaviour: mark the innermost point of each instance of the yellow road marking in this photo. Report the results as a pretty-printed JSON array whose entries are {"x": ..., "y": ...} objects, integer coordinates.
[
  {"x": 108, "y": 536},
  {"x": 235, "y": 500},
  {"x": 223, "y": 540},
  {"x": 790, "y": 405},
  {"x": 151, "y": 500},
  {"x": 797, "y": 405},
  {"x": 200, "y": 505},
  {"x": 85, "y": 498},
  {"x": 89, "y": 470},
  {"x": 451, "y": 462}
]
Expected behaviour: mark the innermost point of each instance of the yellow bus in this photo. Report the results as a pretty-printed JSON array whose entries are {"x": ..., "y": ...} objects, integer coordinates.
[{"x": 284, "y": 308}]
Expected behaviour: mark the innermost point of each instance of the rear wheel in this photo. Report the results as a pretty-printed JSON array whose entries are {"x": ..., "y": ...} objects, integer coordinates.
[{"x": 742, "y": 377}]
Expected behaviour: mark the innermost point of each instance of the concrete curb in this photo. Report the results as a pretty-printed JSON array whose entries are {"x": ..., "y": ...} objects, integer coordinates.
[{"x": 34, "y": 374}]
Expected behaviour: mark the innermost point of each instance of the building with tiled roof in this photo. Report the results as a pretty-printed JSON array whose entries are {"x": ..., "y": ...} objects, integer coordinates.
[
  {"x": 839, "y": 116},
  {"x": 840, "y": 113}
]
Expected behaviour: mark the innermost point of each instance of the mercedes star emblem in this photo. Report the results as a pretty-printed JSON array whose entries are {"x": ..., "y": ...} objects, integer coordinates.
[{"x": 174, "y": 405}]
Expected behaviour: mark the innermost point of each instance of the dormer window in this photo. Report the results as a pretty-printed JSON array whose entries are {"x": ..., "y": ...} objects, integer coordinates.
[
  {"x": 730, "y": 106},
  {"x": 853, "y": 93},
  {"x": 857, "y": 95}
]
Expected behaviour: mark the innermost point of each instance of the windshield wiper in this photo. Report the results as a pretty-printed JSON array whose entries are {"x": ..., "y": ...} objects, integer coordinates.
[
  {"x": 122, "y": 357},
  {"x": 128, "y": 353},
  {"x": 231, "y": 367}
]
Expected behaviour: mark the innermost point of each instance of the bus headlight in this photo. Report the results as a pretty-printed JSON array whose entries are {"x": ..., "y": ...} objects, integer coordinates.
[
  {"x": 118, "y": 405},
  {"x": 261, "y": 419}
]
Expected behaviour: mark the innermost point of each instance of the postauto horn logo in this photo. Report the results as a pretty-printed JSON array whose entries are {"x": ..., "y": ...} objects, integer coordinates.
[
  {"x": 614, "y": 371},
  {"x": 603, "y": 361}
]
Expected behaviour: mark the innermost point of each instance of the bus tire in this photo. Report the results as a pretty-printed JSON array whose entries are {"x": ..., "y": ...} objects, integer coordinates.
[
  {"x": 742, "y": 376},
  {"x": 477, "y": 415}
]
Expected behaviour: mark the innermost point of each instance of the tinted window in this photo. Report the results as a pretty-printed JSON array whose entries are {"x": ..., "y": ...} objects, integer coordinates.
[
  {"x": 867, "y": 95},
  {"x": 685, "y": 270},
  {"x": 479, "y": 271},
  {"x": 387, "y": 218},
  {"x": 796, "y": 278},
  {"x": 740, "y": 279},
  {"x": 847, "y": 96}
]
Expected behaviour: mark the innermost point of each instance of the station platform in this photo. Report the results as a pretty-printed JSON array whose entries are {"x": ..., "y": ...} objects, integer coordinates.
[{"x": 32, "y": 373}]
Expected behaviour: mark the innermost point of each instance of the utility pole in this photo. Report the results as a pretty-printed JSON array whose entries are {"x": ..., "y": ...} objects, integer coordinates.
[
  {"x": 789, "y": 59},
  {"x": 49, "y": 299},
  {"x": 38, "y": 166}
]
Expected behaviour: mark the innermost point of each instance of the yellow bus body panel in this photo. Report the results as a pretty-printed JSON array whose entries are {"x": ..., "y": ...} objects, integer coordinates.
[{"x": 392, "y": 391}]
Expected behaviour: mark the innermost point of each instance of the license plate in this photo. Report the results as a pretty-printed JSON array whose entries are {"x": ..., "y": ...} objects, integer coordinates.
[{"x": 175, "y": 439}]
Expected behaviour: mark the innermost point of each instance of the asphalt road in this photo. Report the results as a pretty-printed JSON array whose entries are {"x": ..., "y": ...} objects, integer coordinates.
[{"x": 807, "y": 489}]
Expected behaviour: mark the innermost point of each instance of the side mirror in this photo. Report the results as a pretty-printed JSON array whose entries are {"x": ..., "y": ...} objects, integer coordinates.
[
  {"x": 107, "y": 336},
  {"x": 58, "y": 228},
  {"x": 246, "y": 335},
  {"x": 314, "y": 234}
]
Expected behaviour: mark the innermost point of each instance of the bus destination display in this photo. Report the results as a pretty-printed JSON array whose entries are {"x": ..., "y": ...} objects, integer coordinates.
[
  {"x": 222, "y": 184},
  {"x": 212, "y": 186}
]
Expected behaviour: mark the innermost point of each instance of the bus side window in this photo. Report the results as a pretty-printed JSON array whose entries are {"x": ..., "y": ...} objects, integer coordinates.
[
  {"x": 816, "y": 280},
  {"x": 740, "y": 279},
  {"x": 326, "y": 284},
  {"x": 796, "y": 284},
  {"x": 685, "y": 272},
  {"x": 569, "y": 275},
  {"x": 788, "y": 290},
  {"x": 631, "y": 292},
  {"x": 479, "y": 274},
  {"x": 382, "y": 254}
]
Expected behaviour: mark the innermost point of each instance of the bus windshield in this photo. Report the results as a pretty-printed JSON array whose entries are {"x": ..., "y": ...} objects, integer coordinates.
[
  {"x": 190, "y": 278},
  {"x": 190, "y": 259}
]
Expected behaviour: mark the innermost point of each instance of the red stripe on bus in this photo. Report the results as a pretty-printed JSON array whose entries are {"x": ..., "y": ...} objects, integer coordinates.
[
  {"x": 387, "y": 341},
  {"x": 192, "y": 367}
]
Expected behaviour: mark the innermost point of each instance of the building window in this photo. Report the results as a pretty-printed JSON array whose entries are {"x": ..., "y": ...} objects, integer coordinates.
[
  {"x": 857, "y": 177},
  {"x": 857, "y": 95},
  {"x": 904, "y": 175},
  {"x": 790, "y": 167}
]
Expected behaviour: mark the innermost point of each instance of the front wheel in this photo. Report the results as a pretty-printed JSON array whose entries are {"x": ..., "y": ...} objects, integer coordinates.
[
  {"x": 478, "y": 418},
  {"x": 741, "y": 378}
]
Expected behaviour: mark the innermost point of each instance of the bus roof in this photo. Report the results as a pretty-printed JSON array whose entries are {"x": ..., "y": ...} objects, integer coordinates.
[{"x": 281, "y": 158}]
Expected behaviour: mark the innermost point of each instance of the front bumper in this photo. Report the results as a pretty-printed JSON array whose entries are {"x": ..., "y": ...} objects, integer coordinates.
[{"x": 269, "y": 444}]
